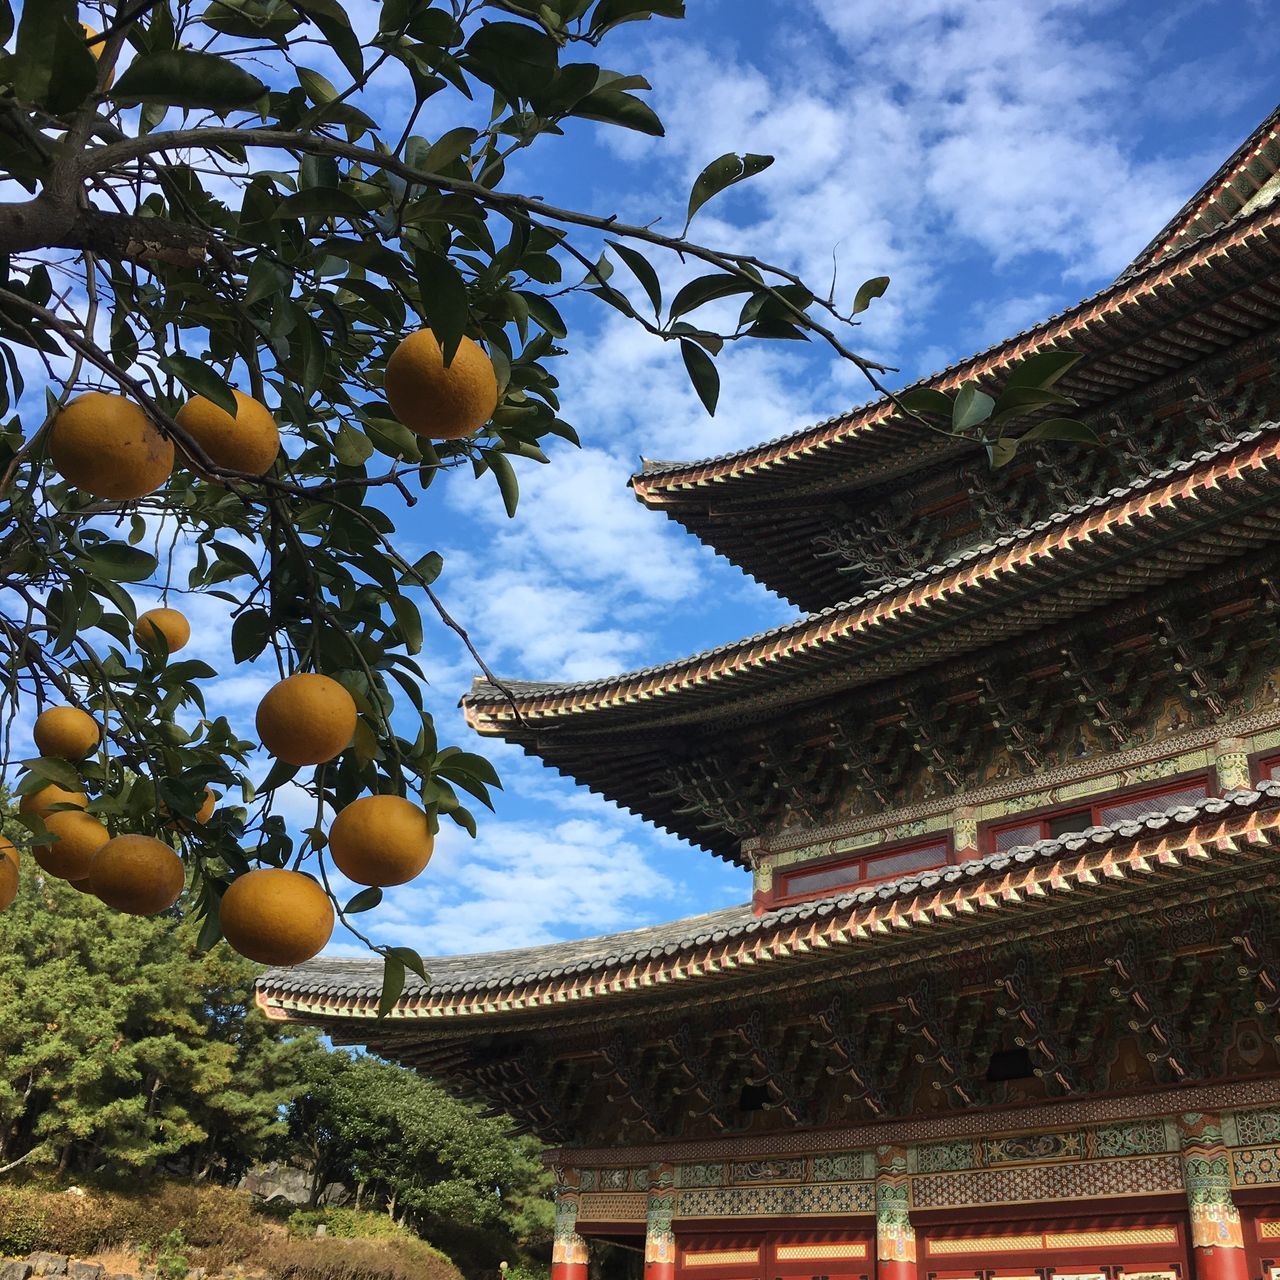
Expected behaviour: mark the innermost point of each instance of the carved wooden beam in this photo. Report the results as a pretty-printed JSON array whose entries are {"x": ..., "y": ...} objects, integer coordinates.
[
  {"x": 853, "y": 1066},
  {"x": 769, "y": 1070}
]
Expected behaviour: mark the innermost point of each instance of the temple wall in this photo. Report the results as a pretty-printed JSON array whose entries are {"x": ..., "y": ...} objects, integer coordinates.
[{"x": 1165, "y": 1197}]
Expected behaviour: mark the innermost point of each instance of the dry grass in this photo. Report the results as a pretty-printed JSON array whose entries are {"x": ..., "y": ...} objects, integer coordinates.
[
  {"x": 336, "y": 1259},
  {"x": 116, "y": 1262},
  {"x": 220, "y": 1230}
]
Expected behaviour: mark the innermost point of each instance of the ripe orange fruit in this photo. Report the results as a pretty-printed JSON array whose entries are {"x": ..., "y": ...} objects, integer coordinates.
[
  {"x": 306, "y": 719},
  {"x": 382, "y": 840},
  {"x": 168, "y": 622},
  {"x": 41, "y": 802},
  {"x": 248, "y": 442},
  {"x": 440, "y": 403},
  {"x": 276, "y": 917},
  {"x": 66, "y": 732},
  {"x": 80, "y": 836},
  {"x": 205, "y": 811},
  {"x": 96, "y": 50},
  {"x": 9, "y": 858},
  {"x": 107, "y": 446},
  {"x": 137, "y": 875}
]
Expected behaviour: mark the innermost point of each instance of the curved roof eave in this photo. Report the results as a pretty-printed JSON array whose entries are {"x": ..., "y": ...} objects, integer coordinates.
[
  {"x": 660, "y": 484},
  {"x": 1200, "y": 836}
]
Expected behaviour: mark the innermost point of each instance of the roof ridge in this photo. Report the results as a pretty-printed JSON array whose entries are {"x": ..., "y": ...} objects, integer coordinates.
[{"x": 1256, "y": 139}]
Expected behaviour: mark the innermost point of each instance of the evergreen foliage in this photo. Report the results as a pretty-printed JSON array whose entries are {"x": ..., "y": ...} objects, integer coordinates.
[{"x": 126, "y": 1051}]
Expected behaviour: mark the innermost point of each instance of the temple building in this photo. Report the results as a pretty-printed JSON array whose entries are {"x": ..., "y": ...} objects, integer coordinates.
[{"x": 1005, "y": 1004}]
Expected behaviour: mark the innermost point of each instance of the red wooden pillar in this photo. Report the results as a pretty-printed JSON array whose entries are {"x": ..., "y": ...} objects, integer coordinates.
[
  {"x": 1216, "y": 1238},
  {"x": 659, "y": 1238},
  {"x": 895, "y": 1236},
  {"x": 568, "y": 1248}
]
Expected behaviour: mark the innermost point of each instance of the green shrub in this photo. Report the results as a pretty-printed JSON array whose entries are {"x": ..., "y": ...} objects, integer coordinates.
[
  {"x": 345, "y": 1223},
  {"x": 170, "y": 1262}
]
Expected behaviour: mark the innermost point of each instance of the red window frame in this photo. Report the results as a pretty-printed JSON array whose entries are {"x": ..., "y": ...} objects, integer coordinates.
[
  {"x": 1265, "y": 766},
  {"x": 861, "y": 868},
  {"x": 1092, "y": 811}
]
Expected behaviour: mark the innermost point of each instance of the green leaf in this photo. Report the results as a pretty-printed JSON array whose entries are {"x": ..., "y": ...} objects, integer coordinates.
[
  {"x": 52, "y": 65},
  {"x": 873, "y": 288},
  {"x": 971, "y": 407},
  {"x": 1044, "y": 369},
  {"x": 428, "y": 568},
  {"x": 122, "y": 563},
  {"x": 331, "y": 17},
  {"x": 365, "y": 900},
  {"x": 1063, "y": 429},
  {"x": 267, "y": 279},
  {"x": 317, "y": 87},
  {"x": 392, "y": 984},
  {"x": 1013, "y": 399},
  {"x": 351, "y": 447},
  {"x": 409, "y": 622},
  {"x": 702, "y": 373},
  {"x": 197, "y": 376},
  {"x": 59, "y": 771},
  {"x": 612, "y": 13},
  {"x": 611, "y": 106},
  {"x": 279, "y": 773},
  {"x": 411, "y": 961},
  {"x": 444, "y": 300},
  {"x": 707, "y": 289},
  {"x": 505, "y": 474},
  {"x": 474, "y": 765},
  {"x": 1001, "y": 452},
  {"x": 724, "y": 171},
  {"x": 516, "y": 59},
  {"x": 446, "y": 149},
  {"x": 211, "y": 929},
  {"x": 926, "y": 400},
  {"x": 327, "y": 201},
  {"x": 183, "y": 78},
  {"x": 266, "y": 19},
  {"x": 249, "y": 634},
  {"x": 643, "y": 271},
  {"x": 365, "y": 744},
  {"x": 545, "y": 313}
]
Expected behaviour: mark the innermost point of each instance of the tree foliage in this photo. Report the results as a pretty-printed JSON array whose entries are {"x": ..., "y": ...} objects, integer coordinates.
[
  {"x": 122, "y": 1046},
  {"x": 268, "y": 195},
  {"x": 428, "y": 1160},
  {"x": 125, "y": 1051}
]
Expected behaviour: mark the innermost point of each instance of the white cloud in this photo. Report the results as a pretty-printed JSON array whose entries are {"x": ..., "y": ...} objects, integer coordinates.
[{"x": 524, "y": 883}]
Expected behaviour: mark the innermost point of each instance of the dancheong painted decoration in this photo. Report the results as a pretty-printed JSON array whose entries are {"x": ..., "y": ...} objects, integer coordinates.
[{"x": 1006, "y": 1001}]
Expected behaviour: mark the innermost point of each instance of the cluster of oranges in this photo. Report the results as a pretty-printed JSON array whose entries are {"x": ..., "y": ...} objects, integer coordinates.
[
  {"x": 273, "y": 915},
  {"x": 107, "y": 446}
]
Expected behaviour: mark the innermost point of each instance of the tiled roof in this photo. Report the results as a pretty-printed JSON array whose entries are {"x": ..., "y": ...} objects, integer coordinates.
[
  {"x": 763, "y": 506},
  {"x": 989, "y": 592},
  {"x": 1239, "y": 179},
  {"x": 1136, "y": 850}
]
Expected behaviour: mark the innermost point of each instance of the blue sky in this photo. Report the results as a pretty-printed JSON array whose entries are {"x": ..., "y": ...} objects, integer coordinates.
[{"x": 998, "y": 159}]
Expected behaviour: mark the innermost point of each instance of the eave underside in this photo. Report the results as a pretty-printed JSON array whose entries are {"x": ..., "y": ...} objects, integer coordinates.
[
  {"x": 765, "y": 508},
  {"x": 1111, "y": 581}
]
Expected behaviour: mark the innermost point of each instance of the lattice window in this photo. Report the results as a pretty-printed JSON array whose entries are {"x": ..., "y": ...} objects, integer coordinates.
[
  {"x": 1063, "y": 821},
  {"x": 853, "y": 872}
]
